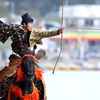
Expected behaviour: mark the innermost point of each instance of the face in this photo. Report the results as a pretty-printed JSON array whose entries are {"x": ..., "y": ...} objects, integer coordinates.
[{"x": 29, "y": 26}]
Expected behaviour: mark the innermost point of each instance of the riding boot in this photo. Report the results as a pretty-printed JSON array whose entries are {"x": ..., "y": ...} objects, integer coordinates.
[{"x": 40, "y": 54}]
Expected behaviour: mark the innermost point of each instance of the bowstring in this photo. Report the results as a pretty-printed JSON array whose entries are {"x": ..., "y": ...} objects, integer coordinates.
[{"x": 62, "y": 19}]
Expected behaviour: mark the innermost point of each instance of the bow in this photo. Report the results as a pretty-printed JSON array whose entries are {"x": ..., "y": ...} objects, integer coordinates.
[{"x": 61, "y": 37}]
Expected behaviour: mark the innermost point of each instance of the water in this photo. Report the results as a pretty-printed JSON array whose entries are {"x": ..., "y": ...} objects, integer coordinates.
[{"x": 73, "y": 85}]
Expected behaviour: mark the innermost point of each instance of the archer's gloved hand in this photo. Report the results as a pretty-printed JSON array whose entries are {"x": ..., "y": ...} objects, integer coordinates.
[{"x": 60, "y": 31}]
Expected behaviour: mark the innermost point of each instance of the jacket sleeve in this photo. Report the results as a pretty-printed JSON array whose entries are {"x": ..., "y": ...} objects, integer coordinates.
[
  {"x": 39, "y": 34},
  {"x": 5, "y": 32}
]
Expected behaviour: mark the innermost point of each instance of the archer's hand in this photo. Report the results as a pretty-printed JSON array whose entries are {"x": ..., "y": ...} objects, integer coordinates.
[
  {"x": 61, "y": 30},
  {"x": 23, "y": 28}
]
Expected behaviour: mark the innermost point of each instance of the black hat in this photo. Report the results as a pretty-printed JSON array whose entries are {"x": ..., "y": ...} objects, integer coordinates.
[{"x": 26, "y": 18}]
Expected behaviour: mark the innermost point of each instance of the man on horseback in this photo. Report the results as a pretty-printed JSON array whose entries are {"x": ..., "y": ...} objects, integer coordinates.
[{"x": 23, "y": 38}]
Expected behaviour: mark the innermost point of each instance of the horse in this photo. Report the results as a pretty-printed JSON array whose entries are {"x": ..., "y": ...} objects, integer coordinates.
[{"x": 23, "y": 87}]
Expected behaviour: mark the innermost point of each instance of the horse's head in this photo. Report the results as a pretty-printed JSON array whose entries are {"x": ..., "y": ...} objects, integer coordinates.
[{"x": 27, "y": 64}]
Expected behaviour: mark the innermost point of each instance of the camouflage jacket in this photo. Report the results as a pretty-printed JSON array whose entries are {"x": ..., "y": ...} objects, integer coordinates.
[
  {"x": 37, "y": 35},
  {"x": 22, "y": 40}
]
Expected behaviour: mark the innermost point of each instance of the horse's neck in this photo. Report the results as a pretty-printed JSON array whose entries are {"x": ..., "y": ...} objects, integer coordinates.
[{"x": 26, "y": 86}]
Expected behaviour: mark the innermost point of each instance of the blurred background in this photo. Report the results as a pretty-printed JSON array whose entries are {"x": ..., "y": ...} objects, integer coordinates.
[{"x": 77, "y": 72}]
